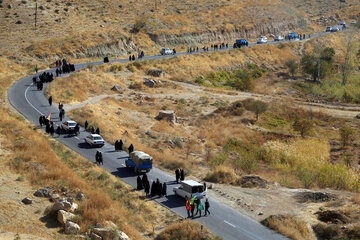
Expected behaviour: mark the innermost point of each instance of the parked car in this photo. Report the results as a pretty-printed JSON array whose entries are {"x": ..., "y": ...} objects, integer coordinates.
[
  {"x": 68, "y": 126},
  {"x": 189, "y": 188},
  {"x": 278, "y": 38},
  {"x": 292, "y": 36},
  {"x": 334, "y": 29},
  {"x": 95, "y": 140},
  {"x": 353, "y": 21},
  {"x": 166, "y": 51},
  {"x": 328, "y": 29},
  {"x": 262, "y": 40},
  {"x": 139, "y": 161},
  {"x": 240, "y": 42}
]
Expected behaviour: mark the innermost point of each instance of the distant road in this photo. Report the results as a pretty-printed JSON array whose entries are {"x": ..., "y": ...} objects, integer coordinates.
[{"x": 223, "y": 221}]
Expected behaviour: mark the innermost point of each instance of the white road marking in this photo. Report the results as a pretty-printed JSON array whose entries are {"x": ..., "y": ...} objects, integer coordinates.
[
  {"x": 77, "y": 138},
  {"x": 29, "y": 101},
  {"x": 229, "y": 224}
]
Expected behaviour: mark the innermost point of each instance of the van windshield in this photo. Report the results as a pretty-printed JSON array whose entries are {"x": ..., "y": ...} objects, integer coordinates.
[{"x": 197, "y": 189}]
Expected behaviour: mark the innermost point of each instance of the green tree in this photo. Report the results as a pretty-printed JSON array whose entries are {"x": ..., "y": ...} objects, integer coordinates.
[
  {"x": 347, "y": 135},
  {"x": 258, "y": 107},
  {"x": 241, "y": 80},
  {"x": 303, "y": 126},
  {"x": 318, "y": 67},
  {"x": 292, "y": 65}
]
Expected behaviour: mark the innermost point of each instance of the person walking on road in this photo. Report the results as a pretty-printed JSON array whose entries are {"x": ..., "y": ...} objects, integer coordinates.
[
  {"x": 164, "y": 189},
  {"x": 58, "y": 131},
  {"x": 50, "y": 100},
  {"x": 188, "y": 206},
  {"x": 41, "y": 121},
  {"x": 199, "y": 206},
  {"x": 97, "y": 131},
  {"x": 139, "y": 185},
  {"x": 182, "y": 175},
  {"x": 131, "y": 148},
  {"x": 177, "y": 175},
  {"x": 207, "y": 206},
  {"x": 60, "y": 115},
  {"x": 86, "y": 125},
  {"x": 92, "y": 130}
]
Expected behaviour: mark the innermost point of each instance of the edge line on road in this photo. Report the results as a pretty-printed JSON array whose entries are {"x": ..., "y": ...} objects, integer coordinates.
[{"x": 29, "y": 101}]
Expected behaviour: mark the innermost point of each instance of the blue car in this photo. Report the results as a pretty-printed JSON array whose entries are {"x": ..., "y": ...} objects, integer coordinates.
[
  {"x": 241, "y": 42},
  {"x": 139, "y": 162}
]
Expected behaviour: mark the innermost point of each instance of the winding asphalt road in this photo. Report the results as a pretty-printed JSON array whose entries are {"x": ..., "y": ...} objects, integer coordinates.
[{"x": 223, "y": 221}]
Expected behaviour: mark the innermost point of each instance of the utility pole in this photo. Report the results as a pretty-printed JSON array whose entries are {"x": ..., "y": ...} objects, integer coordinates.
[{"x": 35, "y": 12}]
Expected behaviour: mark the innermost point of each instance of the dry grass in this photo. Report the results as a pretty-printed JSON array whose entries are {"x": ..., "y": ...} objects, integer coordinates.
[
  {"x": 185, "y": 230},
  {"x": 222, "y": 175},
  {"x": 289, "y": 226}
]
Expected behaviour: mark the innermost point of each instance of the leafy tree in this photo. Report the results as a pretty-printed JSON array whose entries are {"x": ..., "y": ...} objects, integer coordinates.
[
  {"x": 327, "y": 54},
  {"x": 139, "y": 24},
  {"x": 310, "y": 65},
  {"x": 258, "y": 107},
  {"x": 347, "y": 135},
  {"x": 241, "y": 80},
  {"x": 303, "y": 126},
  {"x": 292, "y": 65}
]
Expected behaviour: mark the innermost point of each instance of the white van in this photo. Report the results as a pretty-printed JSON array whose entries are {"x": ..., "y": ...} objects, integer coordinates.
[
  {"x": 190, "y": 188},
  {"x": 166, "y": 51}
]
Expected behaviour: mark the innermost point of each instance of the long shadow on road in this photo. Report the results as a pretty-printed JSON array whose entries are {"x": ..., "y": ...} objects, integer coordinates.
[{"x": 124, "y": 173}]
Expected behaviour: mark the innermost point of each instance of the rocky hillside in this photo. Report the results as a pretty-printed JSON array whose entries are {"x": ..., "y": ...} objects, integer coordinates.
[{"x": 87, "y": 28}]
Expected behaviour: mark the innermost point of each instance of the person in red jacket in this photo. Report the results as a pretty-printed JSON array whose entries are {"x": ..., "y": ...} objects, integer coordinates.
[{"x": 188, "y": 206}]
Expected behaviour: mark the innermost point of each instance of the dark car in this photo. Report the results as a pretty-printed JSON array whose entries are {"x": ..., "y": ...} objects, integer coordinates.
[{"x": 240, "y": 42}]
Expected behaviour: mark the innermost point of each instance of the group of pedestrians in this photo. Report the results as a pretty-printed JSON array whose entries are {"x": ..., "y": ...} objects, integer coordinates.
[
  {"x": 196, "y": 203},
  {"x": 99, "y": 158},
  {"x": 219, "y": 46},
  {"x": 179, "y": 175},
  {"x": 63, "y": 67},
  {"x": 143, "y": 183}
]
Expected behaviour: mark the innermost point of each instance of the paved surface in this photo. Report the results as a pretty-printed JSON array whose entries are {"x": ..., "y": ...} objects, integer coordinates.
[{"x": 223, "y": 221}]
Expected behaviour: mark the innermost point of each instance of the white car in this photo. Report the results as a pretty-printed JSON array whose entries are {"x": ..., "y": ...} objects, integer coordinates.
[
  {"x": 262, "y": 40},
  {"x": 95, "y": 140},
  {"x": 166, "y": 51},
  {"x": 190, "y": 188},
  {"x": 334, "y": 29},
  {"x": 278, "y": 38},
  {"x": 68, "y": 126},
  {"x": 353, "y": 22}
]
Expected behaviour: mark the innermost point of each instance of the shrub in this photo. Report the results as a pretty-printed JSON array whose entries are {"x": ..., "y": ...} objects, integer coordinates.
[
  {"x": 287, "y": 225},
  {"x": 292, "y": 65},
  {"x": 221, "y": 175},
  {"x": 258, "y": 107},
  {"x": 218, "y": 160},
  {"x": 139, "y": 25},
  {"x": 173, "y": 164},
  {"x": 184, "y": 230},
  {"x": 130, "y": 67},
  {"x": 324, "y": 231},
  {"x": 347, "y": 135},
  {"x": 116, "y": 68},
  {"x": 303, "y": 126}
]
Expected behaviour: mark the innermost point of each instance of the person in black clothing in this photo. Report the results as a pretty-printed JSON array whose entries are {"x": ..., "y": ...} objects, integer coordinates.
[
  {"x": 207, "y": 206},
  {"x": 58, "y": 131},
  {"x": 177, "y": 175},
  {"x": 52, "y": 130},
  {"x": 131, "y": 148},
  {"x": 116, "y": 145},
  {"x": 77, "y": 129},
  {"x": 60, "y": 115},
  {"x": 120, "y": 145},
  {"x": 86, "y": 125},
  {"x": 182, "y": 175},
  {"x": 147, "y": 187},
  {"x": 97, "y": 156},
  {"x": 133, "y": 57},
  {"x": 130, "y": 58},
  {"x": 204, "y": 186},
  {"x": 47, "y": 128},
  {"x": 57, "y": 72},
  {"x": 92, "y": 130},
  {"x": 139, "y": 185},
  {"x": 41, "y": 121},
  {"x": 144, "y": 179},
  {"x": 98, "y": 131},
  {"x": 164, "y": 189},
  {"x": 153, "y": 191},
  {"x": 50, "y": 100},
  {"x": 192, "y": 209},
  {"x": 158, "y": 187}
]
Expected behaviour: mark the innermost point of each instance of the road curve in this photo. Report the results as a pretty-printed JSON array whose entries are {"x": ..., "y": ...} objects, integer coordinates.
[{"x": 223, "y": 221}]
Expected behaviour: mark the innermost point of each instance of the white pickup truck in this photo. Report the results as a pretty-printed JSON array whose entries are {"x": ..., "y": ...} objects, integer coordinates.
[
  {"x": 190, "y": 188},
  {"x": 166, "y": 51}
]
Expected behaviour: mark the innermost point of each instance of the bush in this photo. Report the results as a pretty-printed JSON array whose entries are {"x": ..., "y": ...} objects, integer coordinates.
[
  {"x": 292, "y": 65},
  {"x": 289, "y": 226},
  {"x": 303, "y": 126},
  {"x": 130, "y": 67},
  {"x": 324, "y": 231},
  {"x": 221, "y": 175},
  {"x": 347, "y": 135},
  {"x": 116, "y": 68},
  {"x": 184, "y": 230},
  {"x": 173, "y": 164},
  {"x": 139, "y": 25}
]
